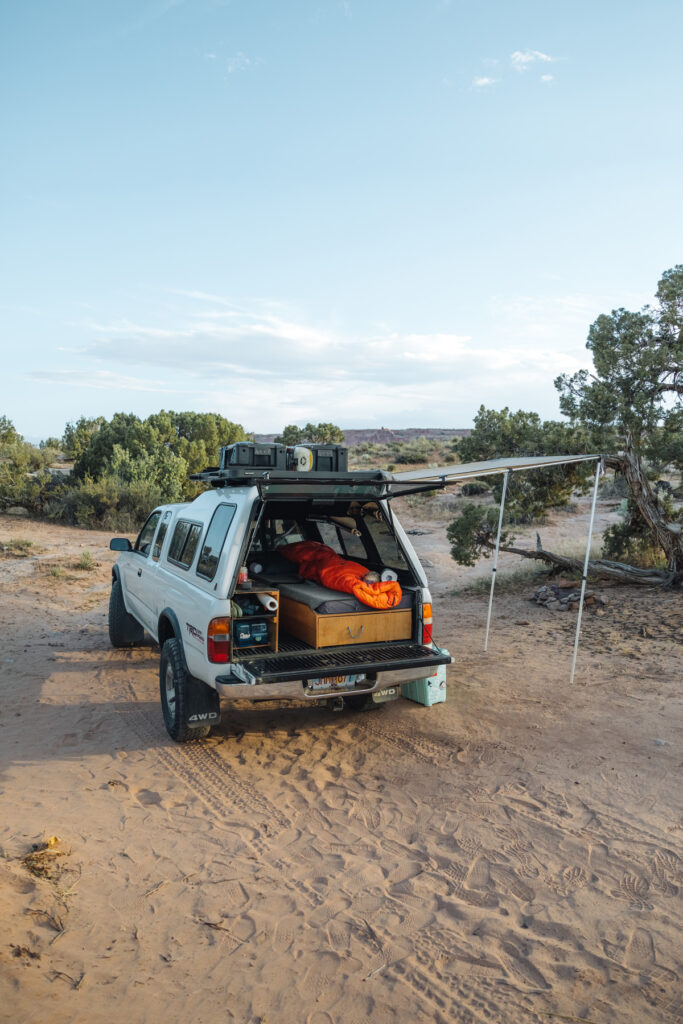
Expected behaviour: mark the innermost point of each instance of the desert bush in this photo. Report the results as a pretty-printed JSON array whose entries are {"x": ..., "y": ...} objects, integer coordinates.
[
  {"x": 474, "y": 488},
  {"x": 411, "y": 452},
  {"x": 86, "y": 562}
]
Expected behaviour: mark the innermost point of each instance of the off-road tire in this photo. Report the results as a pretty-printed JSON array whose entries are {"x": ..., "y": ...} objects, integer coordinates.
[
  {"x": 124, "y": 630},
  {"x": 175, "y": 683}
]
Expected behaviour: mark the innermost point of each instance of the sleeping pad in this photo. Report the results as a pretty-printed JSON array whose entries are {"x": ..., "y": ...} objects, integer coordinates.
[{"x": 316, "y": 561}]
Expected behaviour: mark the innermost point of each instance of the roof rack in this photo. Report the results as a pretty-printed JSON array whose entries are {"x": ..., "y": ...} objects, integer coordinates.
[{"x": 237, "y": 476}]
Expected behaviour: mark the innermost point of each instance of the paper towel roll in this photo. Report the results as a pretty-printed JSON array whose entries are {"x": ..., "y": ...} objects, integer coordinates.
[
  {"x": 387, "y": 575},
  {"x": 268, "y": 602}
]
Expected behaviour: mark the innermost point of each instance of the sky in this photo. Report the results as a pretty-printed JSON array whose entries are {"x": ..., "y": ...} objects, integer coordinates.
[{"x": 377, "y": 213}]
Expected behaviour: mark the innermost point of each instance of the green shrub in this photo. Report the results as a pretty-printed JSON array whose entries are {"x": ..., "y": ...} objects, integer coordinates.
[
  {"x": 86, "y": 562},
  {"x": 474, "y": 488}
]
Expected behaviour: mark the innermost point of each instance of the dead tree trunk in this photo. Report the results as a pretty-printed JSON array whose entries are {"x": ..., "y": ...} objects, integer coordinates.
[{"x": 668, "y": 534}]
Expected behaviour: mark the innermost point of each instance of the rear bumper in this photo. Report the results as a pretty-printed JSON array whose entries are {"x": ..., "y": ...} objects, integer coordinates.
[{"x": 290, "y": 683}]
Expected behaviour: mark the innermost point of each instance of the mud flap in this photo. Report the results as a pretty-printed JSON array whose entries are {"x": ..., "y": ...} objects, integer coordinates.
[{"x": 203, "y": 705}]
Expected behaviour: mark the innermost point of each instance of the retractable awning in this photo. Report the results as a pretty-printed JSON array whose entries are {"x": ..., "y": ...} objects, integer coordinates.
[{"x": 430, "y": 479}]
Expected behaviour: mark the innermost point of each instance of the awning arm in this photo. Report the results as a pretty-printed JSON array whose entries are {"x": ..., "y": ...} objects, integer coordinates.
[
  {"x": 598, "y": 470},
  {"x": 495, "y": 556}
]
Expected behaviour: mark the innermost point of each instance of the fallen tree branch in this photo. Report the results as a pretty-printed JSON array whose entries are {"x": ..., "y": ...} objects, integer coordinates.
[{"x": 598, "y": 567}]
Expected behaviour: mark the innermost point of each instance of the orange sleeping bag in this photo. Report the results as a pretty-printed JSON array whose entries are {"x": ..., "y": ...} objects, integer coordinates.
[{"x": 318, "y": 562}]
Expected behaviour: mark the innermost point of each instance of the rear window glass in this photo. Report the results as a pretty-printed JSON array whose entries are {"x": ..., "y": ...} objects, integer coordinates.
[
  {"x": 215, "y": 539},
  {"x": 329, "y": 536},
  {"x": 184, "y": 543},
  {"x": 385, "y": 543}
]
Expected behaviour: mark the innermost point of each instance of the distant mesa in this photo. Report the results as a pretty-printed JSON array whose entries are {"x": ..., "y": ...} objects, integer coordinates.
[{"x": 385, "y": 435}]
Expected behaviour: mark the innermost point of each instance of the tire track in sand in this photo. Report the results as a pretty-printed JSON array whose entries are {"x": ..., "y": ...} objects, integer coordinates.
[{"x": 214, "y": 781}]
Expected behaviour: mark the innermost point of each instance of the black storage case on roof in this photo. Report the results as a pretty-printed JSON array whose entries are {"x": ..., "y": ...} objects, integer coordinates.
[
  {"x": 329, "y": 458},
  {"x": 247, "y": 453}
]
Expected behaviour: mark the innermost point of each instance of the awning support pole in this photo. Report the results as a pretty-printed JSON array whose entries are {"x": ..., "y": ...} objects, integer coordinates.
[
  {"x": 495, "y": 557},
  {"x": 598, "y": 470}
]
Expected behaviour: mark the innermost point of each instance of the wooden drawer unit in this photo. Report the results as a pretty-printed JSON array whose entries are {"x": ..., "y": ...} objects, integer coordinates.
[{"x": 351, "y": 628}]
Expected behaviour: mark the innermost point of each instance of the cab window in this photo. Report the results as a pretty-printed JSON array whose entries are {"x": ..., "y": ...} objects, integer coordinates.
[
  {"x": 161, "y": 535},
  {"x": 215, "y": 540},
  {"x": 143, "y": 544}
]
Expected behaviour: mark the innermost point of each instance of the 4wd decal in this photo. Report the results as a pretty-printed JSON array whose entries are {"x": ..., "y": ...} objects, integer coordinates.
[
  {"x": 206, "y": 716},
  {"x": 194, "y": 632}
]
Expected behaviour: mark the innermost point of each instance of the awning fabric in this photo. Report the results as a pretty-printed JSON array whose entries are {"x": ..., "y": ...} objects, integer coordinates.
[{"x": 403, "y": 482}]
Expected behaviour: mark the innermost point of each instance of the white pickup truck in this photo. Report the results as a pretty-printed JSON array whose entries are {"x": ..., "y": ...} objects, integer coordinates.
[{"x": 267, "y": 633}]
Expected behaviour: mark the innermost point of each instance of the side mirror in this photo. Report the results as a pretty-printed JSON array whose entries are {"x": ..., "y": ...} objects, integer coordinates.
[{"x": 120, "y": 544}]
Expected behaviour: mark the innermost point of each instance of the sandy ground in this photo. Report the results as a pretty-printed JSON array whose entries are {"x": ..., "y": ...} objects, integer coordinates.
[{"x": 513, "y": 855}]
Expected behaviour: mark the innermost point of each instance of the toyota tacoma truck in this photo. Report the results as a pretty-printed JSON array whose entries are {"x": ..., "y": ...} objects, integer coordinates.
[{"x": 210, "y": 582}]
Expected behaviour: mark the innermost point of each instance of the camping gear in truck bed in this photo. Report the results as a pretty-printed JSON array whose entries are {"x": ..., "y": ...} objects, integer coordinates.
[
  {"x": 330, "y": 630},
  {"x": 321, "y": 599}
]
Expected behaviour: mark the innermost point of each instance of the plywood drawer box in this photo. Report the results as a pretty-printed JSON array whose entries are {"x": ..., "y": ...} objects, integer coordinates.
[{"x": 350, "y": 628}]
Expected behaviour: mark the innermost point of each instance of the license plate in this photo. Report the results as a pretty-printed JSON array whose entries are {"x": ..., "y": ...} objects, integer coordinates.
[{"x": 335, "y": 682}]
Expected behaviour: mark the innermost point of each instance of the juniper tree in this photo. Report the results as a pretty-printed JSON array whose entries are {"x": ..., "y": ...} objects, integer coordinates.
[
  {"x": 629, "y": 408},
  {"x": 632, "y": 404}
]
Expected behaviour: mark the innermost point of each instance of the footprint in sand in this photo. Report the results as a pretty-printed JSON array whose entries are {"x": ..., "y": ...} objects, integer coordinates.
[
  {"x": 571, "y": 878},
  {"x": 338, "y": 936},
  {"x": 479, "y": 874},
  {"x": 639, "y": 955},
  {"x": 286, "y": 929},
  {"x": 634, "y": 888},
  {"x": 640, "y": 950},
  {"x": 521, "y": 971}
]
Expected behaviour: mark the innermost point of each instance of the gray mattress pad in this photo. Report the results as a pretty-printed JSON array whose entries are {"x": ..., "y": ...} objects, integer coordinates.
[{"x": 321, "y": 599}]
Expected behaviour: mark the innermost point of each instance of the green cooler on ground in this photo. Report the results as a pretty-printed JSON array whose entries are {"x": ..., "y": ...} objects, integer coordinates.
[{"x": 431, "y": 690}]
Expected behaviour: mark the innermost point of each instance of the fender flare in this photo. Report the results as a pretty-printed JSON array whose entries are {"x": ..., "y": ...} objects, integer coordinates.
[
  {"x": 115, "y": 573},
  {"x": 168, "y": 613}
]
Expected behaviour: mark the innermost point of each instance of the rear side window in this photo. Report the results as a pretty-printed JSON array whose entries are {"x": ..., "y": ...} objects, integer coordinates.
[
  {"x": 184, "y": 543},
  {"x": 215, "y": 539}
]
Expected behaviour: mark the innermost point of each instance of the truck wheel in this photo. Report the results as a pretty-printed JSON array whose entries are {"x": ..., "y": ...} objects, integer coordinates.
[
  {"x": 184, "y": 698},
  {"x": 124, "y": 630}
]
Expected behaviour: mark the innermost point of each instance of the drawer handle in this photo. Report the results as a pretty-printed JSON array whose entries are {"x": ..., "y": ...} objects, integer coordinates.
[{"x": 354, "y": 636}]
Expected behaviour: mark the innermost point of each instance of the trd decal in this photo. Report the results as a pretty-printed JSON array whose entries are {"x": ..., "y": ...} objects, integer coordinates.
[{"x": 194, "y": 632}]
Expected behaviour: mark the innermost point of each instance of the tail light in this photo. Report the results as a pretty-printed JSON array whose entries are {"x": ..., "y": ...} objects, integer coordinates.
[
  {"x": 218, "y": 641},
  {"x": 426, "y": 624}
]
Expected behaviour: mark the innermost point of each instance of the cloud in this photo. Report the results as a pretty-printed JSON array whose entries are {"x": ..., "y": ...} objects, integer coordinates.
[
  {"x": 483, "y": 81},
  {"x": 521, "y": 60},
  {"x": 238, "y": 62},
  {"x": 264, "y": 364},
  {"x": 101, "y": 380},
  {"x": 547, "y": 78}
]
